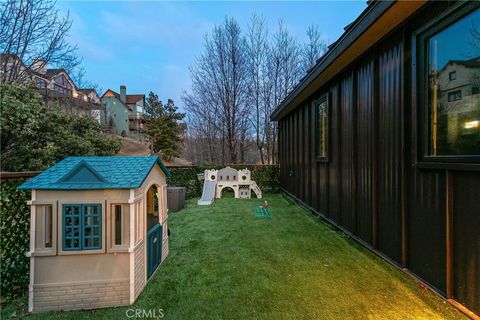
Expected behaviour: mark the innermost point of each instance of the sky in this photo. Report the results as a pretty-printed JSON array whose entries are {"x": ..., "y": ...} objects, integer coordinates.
[{"x": 149, "y": 46}]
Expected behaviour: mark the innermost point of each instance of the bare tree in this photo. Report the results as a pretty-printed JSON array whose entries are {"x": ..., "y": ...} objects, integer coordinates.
[
  {"x": 237, "y": 82},
  {"x": 33, "y": 33},
  {"x": 79, "y": 76},
  {"x": 315, "y": 47},
  {"x": 218, "y": 93},
  {"x": 257, "y": 55},
  {"x": 284, "y": 72}
]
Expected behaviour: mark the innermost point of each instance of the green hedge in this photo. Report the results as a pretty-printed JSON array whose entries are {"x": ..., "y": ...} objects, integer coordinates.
[
  {"x": 14, "y": 240},
  {"x": 267, "y": 178}
]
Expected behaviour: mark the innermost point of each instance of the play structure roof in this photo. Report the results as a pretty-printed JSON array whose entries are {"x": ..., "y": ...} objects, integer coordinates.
[{"x": 86, "y": 173}]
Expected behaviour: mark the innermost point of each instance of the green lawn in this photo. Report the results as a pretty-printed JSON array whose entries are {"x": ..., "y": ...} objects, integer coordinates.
[{"x": 224, "y": 264}]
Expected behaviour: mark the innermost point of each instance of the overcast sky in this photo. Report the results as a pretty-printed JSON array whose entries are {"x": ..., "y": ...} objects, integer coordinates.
[{"x": 148, "y": 46}]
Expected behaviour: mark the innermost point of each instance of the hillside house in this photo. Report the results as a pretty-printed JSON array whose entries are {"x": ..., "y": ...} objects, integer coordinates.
[
  {"x": 53, "y": 84},
  {"x": 124, "y": 113}
]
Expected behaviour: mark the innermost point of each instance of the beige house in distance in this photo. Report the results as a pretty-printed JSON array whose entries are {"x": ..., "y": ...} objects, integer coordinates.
[{"x": 97, "y": 234}]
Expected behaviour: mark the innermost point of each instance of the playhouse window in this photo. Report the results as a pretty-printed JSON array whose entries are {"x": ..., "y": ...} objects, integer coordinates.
[
  {"x": 82, "y": 227},
  {"x": 120, "y": 228},
  {"x": 44, "y": 227},
  {"x": 118, "y": 225},
  {"x": 48, "y": 226},
  {"x": 321, "y": 108},
  {"x": 139, "y": 221}
]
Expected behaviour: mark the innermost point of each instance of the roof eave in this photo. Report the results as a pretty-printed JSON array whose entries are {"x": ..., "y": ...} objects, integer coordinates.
[{"x": 365, "y": 21}]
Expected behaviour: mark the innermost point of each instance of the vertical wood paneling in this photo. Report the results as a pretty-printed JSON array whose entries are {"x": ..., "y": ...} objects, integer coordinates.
[
  {"x": 303, "y": 153},
  {"x": 323, "y": 186},
  {"x": 364, "y": 150},
  {"x": 310, "y": 159},
  {"x": 306, "y": 155},
  {"x": 466, "y": 239},
  {"x": 315, "y": 191},
  {"x": 334, "y": 157},
  {"x": 298, "y": 141},
  {"x": 293, "y": 145},
  {"x": 426, "y": 227},
  {"x": 346, "y": 152},
  {"x": 300, "y": 168},
  {"x": 291, "y": 154},
  {"x": 362, "y": 187},
  {"x": 281, "y": 142},
  {"x": 390, "y": 95}
]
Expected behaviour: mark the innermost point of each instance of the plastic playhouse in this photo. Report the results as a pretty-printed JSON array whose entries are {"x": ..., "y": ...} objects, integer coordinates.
[{"x": 239, "y": 181}]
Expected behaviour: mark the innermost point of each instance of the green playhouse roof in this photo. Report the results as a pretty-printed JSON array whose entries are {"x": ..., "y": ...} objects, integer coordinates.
[{"x": 82, "y": 173}]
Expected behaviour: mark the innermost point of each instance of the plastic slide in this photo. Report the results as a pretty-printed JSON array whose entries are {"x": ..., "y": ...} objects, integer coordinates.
[
  {"x": 257, "y": 190},
  {"x": 208, "y": 193}
]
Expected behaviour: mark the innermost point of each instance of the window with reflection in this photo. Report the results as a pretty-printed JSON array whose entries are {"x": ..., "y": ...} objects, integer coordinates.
[
  {"x": 321, "y": 108},
  {"x": 453, "y": 62},
  {"x": 62, "y": 85}
]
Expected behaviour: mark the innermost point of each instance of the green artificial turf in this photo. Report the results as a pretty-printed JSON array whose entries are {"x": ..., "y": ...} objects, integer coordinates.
[{"x": 225, "y": 264}]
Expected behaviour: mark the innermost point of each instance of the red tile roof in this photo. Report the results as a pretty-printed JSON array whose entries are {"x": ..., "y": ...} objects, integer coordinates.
[{"x": 133, "y": 98}]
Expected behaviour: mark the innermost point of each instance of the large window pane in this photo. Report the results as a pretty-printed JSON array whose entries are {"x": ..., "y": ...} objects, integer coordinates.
[
  {"x": 321, "y": 128},
  {"x": 453, "y": 88}
]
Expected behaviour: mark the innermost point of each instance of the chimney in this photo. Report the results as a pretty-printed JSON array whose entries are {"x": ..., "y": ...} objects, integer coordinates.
[
  {"x": 123, "y": 93},
  {"x": 39, "y": 66}
]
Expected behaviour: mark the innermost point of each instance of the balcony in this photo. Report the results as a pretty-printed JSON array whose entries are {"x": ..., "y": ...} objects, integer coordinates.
[
  {"x": 136, "y": 117},
  {"x": 136, "y": 126},
  {"x": 68, "y": 101}
]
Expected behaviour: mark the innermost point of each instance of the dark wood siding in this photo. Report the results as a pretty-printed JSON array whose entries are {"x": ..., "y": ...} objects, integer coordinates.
[
  {"x": 364, "y": 150},
  {"x": 390, "y": 77},
  {"x": 346, "y": 153},
  {"x": 426, "y": 227},
  {"x": 314, "y": 201},
  {"x": 466, "y": 238},
  {"x": 422, "y": 216},
  {"x": 334, "y": 157}
]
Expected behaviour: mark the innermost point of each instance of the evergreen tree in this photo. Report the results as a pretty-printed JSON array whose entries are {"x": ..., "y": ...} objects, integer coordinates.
[{"x": 164, "y": 127}]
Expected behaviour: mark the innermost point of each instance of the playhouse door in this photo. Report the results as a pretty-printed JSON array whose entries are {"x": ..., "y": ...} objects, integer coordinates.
[{"x": 154, "y": 248}]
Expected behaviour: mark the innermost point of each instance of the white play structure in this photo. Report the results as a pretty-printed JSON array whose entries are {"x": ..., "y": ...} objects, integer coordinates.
[{"x": 239, "y": 181}]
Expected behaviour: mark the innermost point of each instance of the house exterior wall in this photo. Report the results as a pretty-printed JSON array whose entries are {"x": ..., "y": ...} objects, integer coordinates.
[
  {"x": 120, "y": 118},
  {"x": 140, "y": 267},
  {"x": 373, "y": 185},
  {"x": 115, "y": 115},
  {"x": 88, "y": 295},
  {"x": 157, "y": 177},
  {"x": 76, "y": 280}
]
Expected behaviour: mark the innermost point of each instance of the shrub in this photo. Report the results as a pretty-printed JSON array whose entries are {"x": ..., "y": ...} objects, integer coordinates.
[
  {"x": 35, "y": 135},
  {"x": 267, "y": 178},
  {"x": 14, "y": 240}
]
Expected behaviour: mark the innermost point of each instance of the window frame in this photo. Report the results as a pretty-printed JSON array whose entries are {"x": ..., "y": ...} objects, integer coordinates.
[
  {"x": 454, "y": 74},
  {"x": 420, "y": 84},
  {"x": 82, "y": 228},
  {"x": 110, "y": 225},
  {"x": 316, "y": 104},
  {"x": 454, "y": 95},
  {"x": 121, "y": 222},
  {"x": 42, "y": 249}
]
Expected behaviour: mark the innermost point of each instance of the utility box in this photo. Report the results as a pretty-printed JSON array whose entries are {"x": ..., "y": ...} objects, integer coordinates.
[{"x": 175, "y": 198}]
